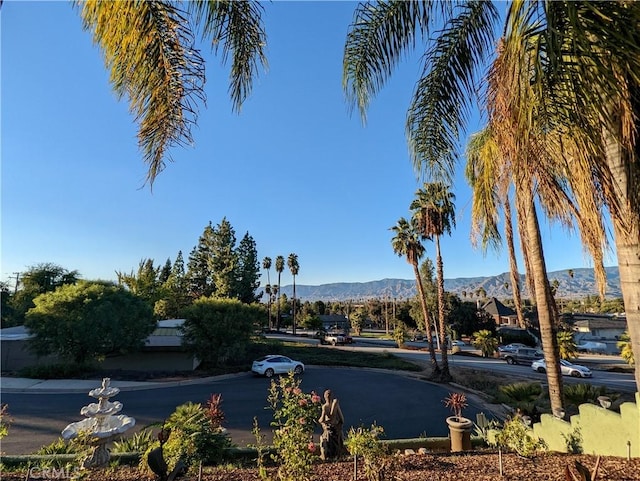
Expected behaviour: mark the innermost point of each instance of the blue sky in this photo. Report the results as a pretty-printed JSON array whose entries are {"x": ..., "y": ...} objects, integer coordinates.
[{"x": 294, "y": 169}]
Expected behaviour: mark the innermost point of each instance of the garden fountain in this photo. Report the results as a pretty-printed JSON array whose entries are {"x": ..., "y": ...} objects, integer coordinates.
[{"x": 102, "y": 424}]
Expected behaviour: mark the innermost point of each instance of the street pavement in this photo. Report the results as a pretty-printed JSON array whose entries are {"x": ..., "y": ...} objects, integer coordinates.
[{"x": 403, "y": 404}]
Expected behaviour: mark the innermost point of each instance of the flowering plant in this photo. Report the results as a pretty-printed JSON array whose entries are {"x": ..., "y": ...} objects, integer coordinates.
[
  {"x": 294, "y": 417},
  {"x": 456, "y": 401}
]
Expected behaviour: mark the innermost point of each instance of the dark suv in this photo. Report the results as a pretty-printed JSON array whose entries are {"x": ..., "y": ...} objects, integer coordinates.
[{"x": 522, "y": 355}]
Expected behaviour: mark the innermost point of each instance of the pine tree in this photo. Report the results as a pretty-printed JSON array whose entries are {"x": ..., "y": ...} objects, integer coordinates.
[
  {"x": 223, "y": 259},
  {"x": 248, "y": 270},
  {"x": 176, "y": 297},
  {"x": 199, "y": 277}
]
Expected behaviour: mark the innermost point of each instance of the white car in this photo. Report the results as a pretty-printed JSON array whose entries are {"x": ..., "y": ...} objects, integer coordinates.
[
  {"x": 566, "y": 367},
  {"x": 275, "y": 364},
  {"x": 458, "y": 343}
]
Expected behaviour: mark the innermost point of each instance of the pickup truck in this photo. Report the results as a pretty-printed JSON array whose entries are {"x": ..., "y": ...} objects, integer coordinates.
[
  {"x": 333, "y": 338},
  {"x": 522, "y": 355}
]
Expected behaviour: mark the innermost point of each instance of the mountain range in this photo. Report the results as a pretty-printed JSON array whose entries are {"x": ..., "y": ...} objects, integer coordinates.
[{"x": 572, "y": 284}]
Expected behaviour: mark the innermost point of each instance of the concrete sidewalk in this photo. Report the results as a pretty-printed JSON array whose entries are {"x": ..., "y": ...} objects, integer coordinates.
[{"x": 35, "y": 386}]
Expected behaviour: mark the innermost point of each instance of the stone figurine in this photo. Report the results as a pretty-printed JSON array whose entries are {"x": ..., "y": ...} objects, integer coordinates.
[{"x": 332, "y": 421}]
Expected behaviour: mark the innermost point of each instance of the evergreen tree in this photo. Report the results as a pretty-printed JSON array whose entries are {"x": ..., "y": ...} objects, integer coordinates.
[
  {"x": 199, "y": 277},
  {"x": 248, "y": 270},
  {"x": 144, "y": 283},
  {"x": 165, "y": 272},
  {"x": 223, "y": 260},
  {"x": 175, "y": 297}
]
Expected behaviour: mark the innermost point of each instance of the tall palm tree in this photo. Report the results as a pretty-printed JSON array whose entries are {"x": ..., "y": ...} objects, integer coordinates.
[
  {"x": 279, "y": 270},
  {"x": 406, "y": 242},
  {"x": 266, "y": 265},
  {"x": 434, "y": 211},
  {"x": 149, "y": 50},
  {"x": 602, "y": 67},
  {"x": 294, "y": 267},
  {"x": 489, "y": 192},
  {"x": 586, "y": 70}
]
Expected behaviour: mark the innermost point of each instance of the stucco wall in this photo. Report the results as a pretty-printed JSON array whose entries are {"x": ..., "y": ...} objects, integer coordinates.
[{"x": 598, "y": 431}]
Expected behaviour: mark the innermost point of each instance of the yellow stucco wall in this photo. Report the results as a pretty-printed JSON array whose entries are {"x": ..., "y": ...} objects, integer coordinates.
[{"x": 599, "y": 431}]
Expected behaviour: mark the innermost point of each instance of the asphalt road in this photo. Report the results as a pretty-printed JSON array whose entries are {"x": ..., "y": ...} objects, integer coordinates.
[
  {"x": 405, "y": 406},
  {"x": 614, "y": 381}
]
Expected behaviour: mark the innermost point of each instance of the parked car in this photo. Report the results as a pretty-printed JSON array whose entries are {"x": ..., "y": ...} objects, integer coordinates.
[
  {"x": 592, "y": 346},
  {"x": 522, "y": 355},
  {"x": 511, "y": 347},
  {"x": 275, "y": 364},
  {"x": 567, "y": 368},
  {"x": 458, "y": 343}
]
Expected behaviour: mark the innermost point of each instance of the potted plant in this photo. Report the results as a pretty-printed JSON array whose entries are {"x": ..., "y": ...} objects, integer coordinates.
[{"x": 459, "y": 426}]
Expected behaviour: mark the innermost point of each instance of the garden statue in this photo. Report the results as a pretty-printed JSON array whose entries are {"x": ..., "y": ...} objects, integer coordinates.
[
  {"x": 331, "y": 420},
  {"x": 157, "y": 463}
]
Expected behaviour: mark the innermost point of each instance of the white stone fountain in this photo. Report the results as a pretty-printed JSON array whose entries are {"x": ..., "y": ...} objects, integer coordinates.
[{"x": 102, "y": 424}]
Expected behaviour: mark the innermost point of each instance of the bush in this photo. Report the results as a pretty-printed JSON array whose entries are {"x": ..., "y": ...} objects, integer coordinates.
[
  {"x": 294, "y": 418},
  {"x": 139, "y": 442},
  {"x": 516, "y": 436},
  {"x": 192, "y": 436},
  {"x": 582, "y": 393},
  {"x": 57, "y": 371},
  {"x": 219, "y": 330},
  {"x": 365, "y": 443}
]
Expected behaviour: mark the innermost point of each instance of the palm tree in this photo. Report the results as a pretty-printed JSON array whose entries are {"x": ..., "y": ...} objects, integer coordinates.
[
  {"x": 266, "y": 265},
  {"x": 485, "y": 341},
  {"x": 434, "y": 211},
  {"x": 148, "y": 48},
  {"x": 294, "y": 267},
  {"x": 279, "y": 270},
  {"x": 626, "y": 351},
  {"x": 566, "y": 345},
  {"x": 586, "y": 72},
  {"x": 489, "y": 191},
  {"x": 406, "y": 242}
]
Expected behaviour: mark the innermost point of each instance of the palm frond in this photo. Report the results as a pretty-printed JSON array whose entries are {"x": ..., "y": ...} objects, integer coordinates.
[
  {"x": 149, "y": 52},
  {"x": 378, "y": 37},
  {"x": 237, "y": 26},
  {"x": 442, "y": 97}
]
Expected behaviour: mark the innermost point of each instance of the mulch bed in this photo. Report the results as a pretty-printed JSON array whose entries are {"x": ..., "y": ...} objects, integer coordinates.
[{"x": 427, "y": 467}]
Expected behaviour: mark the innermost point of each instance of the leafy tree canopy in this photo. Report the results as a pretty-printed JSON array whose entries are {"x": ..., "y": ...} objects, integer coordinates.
[
  {"x": 87, "y": 321},
  {"x": 218, "y": 330}
]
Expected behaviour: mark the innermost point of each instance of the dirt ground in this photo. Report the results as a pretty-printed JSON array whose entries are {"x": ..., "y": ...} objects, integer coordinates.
[{"x": 483, "y": 466}]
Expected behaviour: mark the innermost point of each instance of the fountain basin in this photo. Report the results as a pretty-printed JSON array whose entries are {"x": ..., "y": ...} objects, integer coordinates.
[
  {"x": 108, "y": 427},
  {"x": 107, "y": 408}
]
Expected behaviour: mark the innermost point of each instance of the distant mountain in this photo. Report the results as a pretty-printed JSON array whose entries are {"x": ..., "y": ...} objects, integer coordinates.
[{"x": 582, "y": 284}]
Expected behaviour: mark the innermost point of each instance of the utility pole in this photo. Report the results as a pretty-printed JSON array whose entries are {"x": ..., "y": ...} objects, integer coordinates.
[{"x": 15, "y": 289}]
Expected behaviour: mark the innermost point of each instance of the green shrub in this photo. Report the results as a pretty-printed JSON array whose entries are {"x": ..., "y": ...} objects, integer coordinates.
[
  {"x": 138, "y": 443},
  {"x": 5, "y": 420},
  {"x": 192, "y": 436},
  {"x": 516, "y": 436},
  {"x": 294, "y": 418},
  {"x": 365, "y": 443},
  {"x": 519, "y": 392},
  {"x": 218, "y": 331},
  {"x": 582, "y": 393},
  {"x": 57, "y": 371}
]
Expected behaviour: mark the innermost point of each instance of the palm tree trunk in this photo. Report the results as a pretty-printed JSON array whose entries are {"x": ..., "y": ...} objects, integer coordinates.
[
  {"x": 435, "y": 369},
  {"x": 278, "y": 311},
  {"x": 627, "y": 239},
  {"x": 445, "y": 375},
  {"x": 513, "y": 264},
  {"x": 545, "y": 307},
  {"x": 294, "y": 305}
]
